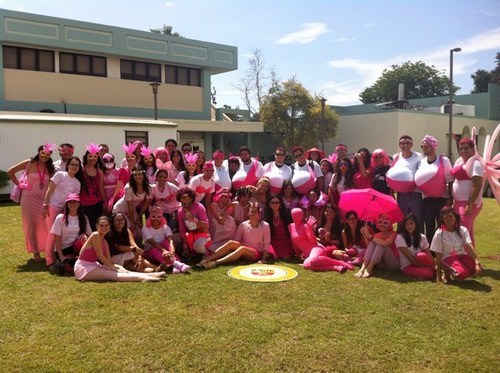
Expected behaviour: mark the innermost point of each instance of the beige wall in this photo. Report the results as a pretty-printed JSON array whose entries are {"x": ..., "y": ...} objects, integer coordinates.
[
  {"x": 23, "y": 85},
  {"x": 382, "y": 130}
]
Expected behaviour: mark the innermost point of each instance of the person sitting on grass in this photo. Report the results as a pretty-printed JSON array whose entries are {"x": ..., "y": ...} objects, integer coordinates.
[
  {"x": 159, "y": 242},
  {"x": 316, "y": 257},
  {"x": 453, "y": 247},
  {"x": 252, "y": 242},
  {"x": 70, "y": 229},
  {"x": 94, "y": 263},
  {"x": 381, "y": 251},
  {"x": 355, "y": 243},
  {"x": 415, "y": 259}
]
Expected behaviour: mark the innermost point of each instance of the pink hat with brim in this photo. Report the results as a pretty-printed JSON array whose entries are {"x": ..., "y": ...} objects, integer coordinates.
[{"x": 73, "y": 197}]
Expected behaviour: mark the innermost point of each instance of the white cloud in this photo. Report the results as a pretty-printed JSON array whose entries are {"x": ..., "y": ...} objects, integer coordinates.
[
  {"x": 365, "y": 73},
  {"x": 168, "y": 4},
  {"x": 309, "y": 33},
  {"x": 345, "y": 40}
]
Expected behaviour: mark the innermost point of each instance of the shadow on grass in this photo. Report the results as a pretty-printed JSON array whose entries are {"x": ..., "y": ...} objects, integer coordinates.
[
  {"x": 32, "y": 266},
  {"x": 471, "y": 284},
  {"x": 495, "y": 275}
]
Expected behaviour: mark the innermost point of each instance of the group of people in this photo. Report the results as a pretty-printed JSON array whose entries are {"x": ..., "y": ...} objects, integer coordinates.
[{"x": 138, "y": 218}]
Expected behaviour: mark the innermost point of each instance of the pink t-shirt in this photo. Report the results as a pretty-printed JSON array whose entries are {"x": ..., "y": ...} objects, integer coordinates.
[{"x": 258, "y": 238}]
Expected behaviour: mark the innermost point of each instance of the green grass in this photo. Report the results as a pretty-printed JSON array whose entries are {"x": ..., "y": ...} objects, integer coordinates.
[{"x": 209, "y": 322}]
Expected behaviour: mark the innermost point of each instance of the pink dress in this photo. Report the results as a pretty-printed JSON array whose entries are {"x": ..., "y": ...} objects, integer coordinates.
[
  {"x": 87, "y": 262},
  {"x": 280, "y": 240},
  {"x": 34, "y": 226}
]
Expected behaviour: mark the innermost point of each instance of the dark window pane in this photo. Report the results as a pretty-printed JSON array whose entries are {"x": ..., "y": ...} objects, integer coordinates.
[
  {"x": 83, "y": 64},
  {"x": 170, "y": 74},
  {"x": 66, "y": 63},
  {"x": 46, "y": 61},
  {"x": 154, "y": 72},
  {"x": 182, "y": 75},
  {"x": 9, "y": 57},
  {"x": 194, "y": 77},
  {"x": 28, "y": 59},
  {"x": 99, "y": 66}
]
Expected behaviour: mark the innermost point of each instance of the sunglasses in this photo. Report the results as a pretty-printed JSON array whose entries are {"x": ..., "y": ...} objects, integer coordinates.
[
  {"x": 298, "y": 155},
  {"x": 279, "y": 154},
  {"x": 343, "y": 164},
  {"x": 108, "y": 161},
  {"x": 274, "y": 202}
]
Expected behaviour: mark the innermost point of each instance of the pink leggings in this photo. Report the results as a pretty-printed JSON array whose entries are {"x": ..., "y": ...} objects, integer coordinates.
[
  {"x": 155, "y": 255},
  {"x": 383, "y": 256},
  {"x": 423, "y": 273},
  {"x": 319, "y": 261},
  {"x": 460, "y": 266},
  {"x": 467, "y": 220}
]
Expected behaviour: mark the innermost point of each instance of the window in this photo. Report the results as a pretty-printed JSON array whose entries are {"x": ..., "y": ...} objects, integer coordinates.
[
  {"x": 138, "y": 70},
  {"x": 182, "y": 75},
  {"x": 82, "y": 64},
  {"x": 132, "y": 136},
  {"x": 28, "y": 59}
]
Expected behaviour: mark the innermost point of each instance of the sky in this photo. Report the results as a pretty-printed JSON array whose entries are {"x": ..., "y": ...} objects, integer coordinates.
[{"x": 334, "y": 48}]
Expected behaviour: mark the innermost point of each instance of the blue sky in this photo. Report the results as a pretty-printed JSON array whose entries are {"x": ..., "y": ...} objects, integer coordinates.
[{"x": 334, "y": 48}]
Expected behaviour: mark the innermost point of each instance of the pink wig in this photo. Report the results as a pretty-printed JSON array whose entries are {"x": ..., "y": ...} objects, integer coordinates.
[
  {"x": 162, "y": 150},
  {"x": 382, "y": 152}
]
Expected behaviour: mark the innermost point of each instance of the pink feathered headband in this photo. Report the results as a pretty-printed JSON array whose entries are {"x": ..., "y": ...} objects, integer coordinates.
[
  {"x": 92, "y": 148},
  {"x": 190, "y": 157},
  {"x": 49, "y": 148},
  {"x": 129, "y": 149}
]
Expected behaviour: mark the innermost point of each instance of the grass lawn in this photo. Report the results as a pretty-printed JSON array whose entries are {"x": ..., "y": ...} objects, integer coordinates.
[{"x": 209, "y": 322}]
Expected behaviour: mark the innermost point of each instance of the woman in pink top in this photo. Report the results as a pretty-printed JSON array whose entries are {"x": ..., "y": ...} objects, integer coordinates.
[
  {"x": 94, "y": 263},
  {"x": 39, "y": 170},
  {"x": 362, "y": 177},
  {"x": 252, "y": 242},
  {"x": 92, "y": 196}
]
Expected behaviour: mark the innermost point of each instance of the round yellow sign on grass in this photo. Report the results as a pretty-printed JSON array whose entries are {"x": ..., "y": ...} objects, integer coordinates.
[{"x": 262, "y": 273}]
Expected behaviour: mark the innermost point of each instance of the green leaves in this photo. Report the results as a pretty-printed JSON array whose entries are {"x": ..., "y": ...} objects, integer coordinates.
[{"x": 420, "y": 80}]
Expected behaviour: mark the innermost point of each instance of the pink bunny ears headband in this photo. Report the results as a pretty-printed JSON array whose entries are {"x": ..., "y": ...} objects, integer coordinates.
[{"x": 92, "y": 148}]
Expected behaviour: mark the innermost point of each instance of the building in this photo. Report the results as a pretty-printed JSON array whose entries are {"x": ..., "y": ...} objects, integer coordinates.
[
  {"x": 379, "y": 126},
  {"x": 68, "y": 72}
]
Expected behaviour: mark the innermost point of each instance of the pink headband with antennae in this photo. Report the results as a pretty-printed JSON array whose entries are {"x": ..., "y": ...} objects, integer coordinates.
[
  {"x": 129, "y": 149},
  {"x": 146, "y": 151},
  {"x": 190, "y": 157},
  {"x": 93, "y": 148},
  {"x": 48, "y": 147}
]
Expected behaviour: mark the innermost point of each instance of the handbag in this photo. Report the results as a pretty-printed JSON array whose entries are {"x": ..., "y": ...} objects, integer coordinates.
[{"x": 15, "y": 193}]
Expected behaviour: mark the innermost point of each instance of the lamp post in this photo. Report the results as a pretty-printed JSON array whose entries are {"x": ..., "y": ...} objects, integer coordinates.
[
  {"x": 450, "y": 108},
  {"x": 323, "y": 101},
  {"x": 155, "y": 86}
]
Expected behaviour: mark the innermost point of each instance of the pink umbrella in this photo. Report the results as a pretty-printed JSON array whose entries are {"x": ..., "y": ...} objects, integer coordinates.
[{"x": 369, "y": 204}]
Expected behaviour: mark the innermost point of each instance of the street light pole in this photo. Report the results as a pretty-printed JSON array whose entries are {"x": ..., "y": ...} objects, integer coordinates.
[
  {"x": 450, "y": 111},
  {"x": 155, "y": 86},
  {"x": 323, "y": 101}
]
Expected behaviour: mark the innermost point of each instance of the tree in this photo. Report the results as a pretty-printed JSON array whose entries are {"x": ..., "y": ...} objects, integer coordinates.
[
  {"x": 482, "y": 77},
  {"x": 253, "y": 85},
  {"x": 165, "y": 30},
  {"x": 293, "y": 115},
  {"x": 420, "y": 81}
]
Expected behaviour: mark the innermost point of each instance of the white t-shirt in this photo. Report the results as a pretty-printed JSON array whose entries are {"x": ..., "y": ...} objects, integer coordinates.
[
  {"x": 259, "y": 169},
  {"x": 65, "y": 185},
  {"x": 69, "y": 233},
  {"x": 400, "y": 242},
  {"x": 221, "y": 176},
  {"x": 449, "y": 242},
  {"x": 462, "y": 188},
  {"x": 158, "y": 235},
  {"x": 317, "y": 169},
  {"x": 284, "y": 170},
  {"x": 167, "y": 199},
  {"x": 201, "y": 186}
]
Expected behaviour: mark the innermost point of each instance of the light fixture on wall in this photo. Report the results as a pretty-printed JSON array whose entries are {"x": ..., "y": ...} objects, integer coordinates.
[{"x": 155, "y": 86}]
